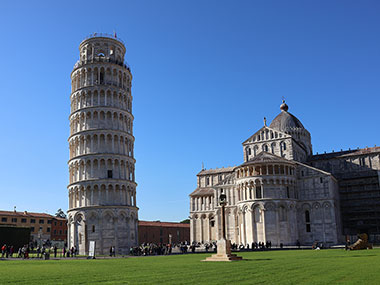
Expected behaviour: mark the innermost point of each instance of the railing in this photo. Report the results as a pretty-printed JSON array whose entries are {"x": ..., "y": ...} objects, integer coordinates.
[
  {"x": 102, "y": 59},
  {"x": 104, "y": 35},
  {"x": 96, "y": 82}
]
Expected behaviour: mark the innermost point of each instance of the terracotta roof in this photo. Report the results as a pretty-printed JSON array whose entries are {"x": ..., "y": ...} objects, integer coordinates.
[
  {"x": 60, "y": 219},
  {"x": 203, "y": 192},
  {"x": 25, "y": 214},
  {"x": 217, "y": 170},
  {"x": 163, "y": 224}
]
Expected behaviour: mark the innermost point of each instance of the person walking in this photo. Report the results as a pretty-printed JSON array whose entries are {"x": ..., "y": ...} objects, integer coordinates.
[
  {"x": 42, "y": 251},
  {"x": 38, "y": 251},
  {"x": 7, "y": 251},
  {"x": 3, "y": 249},
  {"x": 11, "y": 251}
]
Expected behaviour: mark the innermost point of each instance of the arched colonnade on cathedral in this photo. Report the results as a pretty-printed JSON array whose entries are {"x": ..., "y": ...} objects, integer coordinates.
[
  {"x": 267, "y": 147},
  {"x": 267, "y": 221},
  {"x": 265, "y": 169},
  {"x": 206, "y": 227},
  {"x": 202, "y": 203},
  {"x": 261, "y": 188}
]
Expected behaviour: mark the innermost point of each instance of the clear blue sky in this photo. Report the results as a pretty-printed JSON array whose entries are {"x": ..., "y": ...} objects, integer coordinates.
[{"x": 205, "y": 75}]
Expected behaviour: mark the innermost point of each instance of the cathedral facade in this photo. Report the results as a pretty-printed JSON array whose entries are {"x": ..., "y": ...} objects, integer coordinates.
[{"x": 282, "y": 192}]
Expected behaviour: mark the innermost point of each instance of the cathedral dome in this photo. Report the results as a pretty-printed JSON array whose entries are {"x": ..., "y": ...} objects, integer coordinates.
[{"x": 285, "y": 121}]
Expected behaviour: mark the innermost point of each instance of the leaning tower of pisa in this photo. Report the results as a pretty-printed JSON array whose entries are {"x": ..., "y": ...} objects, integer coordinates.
[{"x": 102, "y": 187}]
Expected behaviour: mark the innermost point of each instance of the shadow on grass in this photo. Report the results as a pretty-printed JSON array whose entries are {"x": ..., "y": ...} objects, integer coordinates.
[
  {"x": 257, "y": 259},
  {"x": 348, "y": 256},
  {"x": 363, "y": 255}
]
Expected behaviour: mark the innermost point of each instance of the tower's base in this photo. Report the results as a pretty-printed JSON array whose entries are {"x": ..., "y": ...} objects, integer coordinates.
[
  {"x": 108, "y": 226},
  {"x": 223, "y": 252}
]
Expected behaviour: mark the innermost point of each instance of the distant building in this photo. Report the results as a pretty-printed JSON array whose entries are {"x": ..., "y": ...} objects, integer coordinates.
[
  {"x": 283, "y": 193},
  {"x": 41, "y": 225},
  {"x": 163, "y": 232},
  {"x": 59, "y": 229}
]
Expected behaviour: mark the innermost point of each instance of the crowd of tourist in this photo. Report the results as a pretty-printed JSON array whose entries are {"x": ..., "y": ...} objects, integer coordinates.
[
  {"x": 27, "y": 251},
  {"x": 184, "y": 247},
  {"x": 159, "y": 249},
  {"x": 151, "y": 249},
  {"x": 8, "y": 251},
  {"x": 253, "y": 246},
  {"x": 144, "y": 249}
]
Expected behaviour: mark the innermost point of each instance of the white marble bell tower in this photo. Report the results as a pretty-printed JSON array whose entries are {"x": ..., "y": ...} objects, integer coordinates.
[{"x": 102, "y": 187}]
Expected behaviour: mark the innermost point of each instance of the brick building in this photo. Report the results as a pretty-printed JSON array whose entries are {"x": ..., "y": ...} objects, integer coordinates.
[
  {"x": 42, "y": 226},
  {"x": 59, "y": 229},
  {"x": 162, "y": 232}
]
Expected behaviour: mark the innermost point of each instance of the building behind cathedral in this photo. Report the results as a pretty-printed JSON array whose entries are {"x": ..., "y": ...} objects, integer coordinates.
[{"x": 284, "y": 194}]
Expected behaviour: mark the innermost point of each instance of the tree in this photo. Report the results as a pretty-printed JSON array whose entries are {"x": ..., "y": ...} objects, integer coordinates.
[
  {"x": 187, "y": 221},
  {"x": 60, "y": 214}
]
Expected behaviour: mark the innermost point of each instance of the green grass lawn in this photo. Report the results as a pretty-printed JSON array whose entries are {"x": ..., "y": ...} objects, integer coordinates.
[{"x": 272, "y": 267}]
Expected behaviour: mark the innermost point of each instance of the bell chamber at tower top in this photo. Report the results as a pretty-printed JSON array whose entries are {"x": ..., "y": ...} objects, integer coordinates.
[
  {"x": 101, "y": 62},
  {"x": 102, "y": 45}
]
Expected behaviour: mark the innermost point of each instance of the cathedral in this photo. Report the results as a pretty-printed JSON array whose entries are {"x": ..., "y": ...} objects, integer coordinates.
[{"x": 284, "y": 194}]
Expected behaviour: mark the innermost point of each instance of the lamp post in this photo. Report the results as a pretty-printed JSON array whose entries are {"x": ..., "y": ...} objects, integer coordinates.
[
  {"x": 223, "y": 245},
  {"x": 223, "y": 203}
]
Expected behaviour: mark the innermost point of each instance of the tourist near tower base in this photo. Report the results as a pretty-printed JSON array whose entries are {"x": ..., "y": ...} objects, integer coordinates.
[{"x": 102, "y": 187}]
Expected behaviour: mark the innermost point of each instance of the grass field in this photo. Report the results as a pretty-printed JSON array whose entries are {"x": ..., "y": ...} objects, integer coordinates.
[{"x": 272, "y": 267}]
